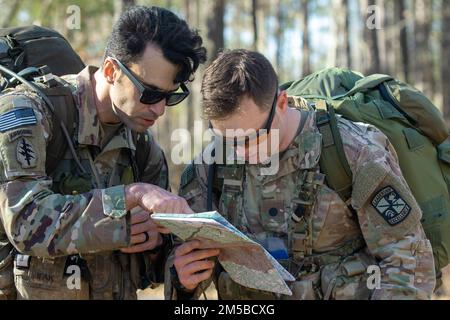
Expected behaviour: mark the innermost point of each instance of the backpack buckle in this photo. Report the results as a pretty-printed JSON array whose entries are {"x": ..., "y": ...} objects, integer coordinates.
[{"x": 46, "y": 77}]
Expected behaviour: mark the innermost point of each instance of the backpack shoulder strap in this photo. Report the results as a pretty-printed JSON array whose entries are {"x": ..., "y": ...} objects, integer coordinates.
[
  {"x": 65, "y": 112},
  {"x": 61, "y": 96},
  {"x": 139, "y": 158},
  {"x": 333, "y": 162}
]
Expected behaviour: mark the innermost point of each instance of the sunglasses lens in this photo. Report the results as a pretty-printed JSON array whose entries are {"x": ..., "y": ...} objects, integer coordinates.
[
  {"x": 175, "y": 98},
  {"x": 152, "y": 97}
]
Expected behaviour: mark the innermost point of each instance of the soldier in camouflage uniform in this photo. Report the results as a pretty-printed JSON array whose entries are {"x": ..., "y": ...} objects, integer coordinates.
[
  {"x": 335, "y": 250},
  {"x": 94, "y": 218}
]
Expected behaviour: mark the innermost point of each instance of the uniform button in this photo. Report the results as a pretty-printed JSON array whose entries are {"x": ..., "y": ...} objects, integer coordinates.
[{"x": 273, "y": 212}]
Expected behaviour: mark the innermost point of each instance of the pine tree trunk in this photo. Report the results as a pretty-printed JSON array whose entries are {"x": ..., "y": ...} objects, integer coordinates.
[
  {"x": 348, "y": 52},
  {"x": 279, "y": 35},
  {"x": 260, "y": 17},
  {"x": 255, "y": 24},
  {"x": 306, "y": 50},
  {"x": 342, "y": 25},
  {"x": 216, "y": 28},
  {"x": 423, "y": 73},
  {"x": 400, "y": 14},
  {"x": 333, "y": 52},
  {"x": 371, "y": 35},
  {"x": 391, "y": 39},
  {"x": 445, "y": 60}
]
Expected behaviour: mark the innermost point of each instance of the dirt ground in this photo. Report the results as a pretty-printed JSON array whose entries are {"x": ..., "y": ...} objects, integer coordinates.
[
  {"x": 444, "y": 292},
  {"x": 158, "y": 294}
]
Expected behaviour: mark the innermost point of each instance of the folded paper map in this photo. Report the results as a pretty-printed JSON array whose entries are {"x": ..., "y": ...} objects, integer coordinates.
[{"x": 246, "y": 261}]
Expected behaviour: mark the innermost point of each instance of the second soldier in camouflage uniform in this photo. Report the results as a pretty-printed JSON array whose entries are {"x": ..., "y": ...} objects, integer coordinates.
[
  {"x": 326, "y": 244},
  {"x": 67, "y": 219}
]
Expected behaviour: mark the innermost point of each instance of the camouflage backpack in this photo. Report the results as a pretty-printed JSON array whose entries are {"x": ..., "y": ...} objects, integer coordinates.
[
  {"x": 413, "y": 125},
  {"x": 23, "y": 53}
]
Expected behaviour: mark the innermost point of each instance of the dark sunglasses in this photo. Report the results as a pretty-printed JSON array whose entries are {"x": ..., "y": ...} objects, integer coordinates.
[
  {"x": 264, "y": 130},
  {"x": 151, "y": 95}
]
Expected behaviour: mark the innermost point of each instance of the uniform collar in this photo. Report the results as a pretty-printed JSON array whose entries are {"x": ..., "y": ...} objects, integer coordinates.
[
  {"x": 123, "y": 138},
  {"x": 89, "y": 123},
  {"x": 306, "y": 146}
]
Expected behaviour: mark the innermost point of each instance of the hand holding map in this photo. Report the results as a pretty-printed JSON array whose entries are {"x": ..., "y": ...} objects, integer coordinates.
[{"x": 246, "y": 261}]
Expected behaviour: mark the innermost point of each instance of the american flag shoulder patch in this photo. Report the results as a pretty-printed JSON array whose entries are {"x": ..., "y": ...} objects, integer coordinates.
[{"x": 17, "y": 118}]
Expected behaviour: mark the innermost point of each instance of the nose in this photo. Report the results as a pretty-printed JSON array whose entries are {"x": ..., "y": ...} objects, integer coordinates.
[{"x": 159, "y": 108}]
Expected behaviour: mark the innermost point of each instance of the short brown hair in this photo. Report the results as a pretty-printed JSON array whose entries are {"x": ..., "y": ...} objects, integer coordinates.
[{"x": 233, "y": 75}]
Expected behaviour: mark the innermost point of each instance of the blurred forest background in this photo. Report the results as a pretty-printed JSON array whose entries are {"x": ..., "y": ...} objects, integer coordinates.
[{"x": 409, "y": 39}]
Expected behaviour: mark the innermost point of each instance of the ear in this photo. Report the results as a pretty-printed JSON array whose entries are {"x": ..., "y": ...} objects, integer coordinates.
[
  {"x": 109, "y": 71},
  {"x": 282, "y": 102}
]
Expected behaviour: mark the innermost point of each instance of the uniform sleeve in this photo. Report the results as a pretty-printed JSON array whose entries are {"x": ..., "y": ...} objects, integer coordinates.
[
  {"x": 389, "y": 216},
  {"x": 37, "y": 221}
]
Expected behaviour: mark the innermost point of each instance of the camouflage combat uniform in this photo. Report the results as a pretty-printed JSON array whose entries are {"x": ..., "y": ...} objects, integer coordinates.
[
  {"x": 329, "y": 244},
  {"x": 59, "y": 217}
]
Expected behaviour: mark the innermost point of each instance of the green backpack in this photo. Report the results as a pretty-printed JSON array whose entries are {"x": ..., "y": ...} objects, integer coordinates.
[{"x": 414, "y": 126}]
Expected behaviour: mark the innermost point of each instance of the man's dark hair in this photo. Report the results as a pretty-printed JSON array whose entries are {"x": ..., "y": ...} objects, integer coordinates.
[
  {"x": 141, "y": 25},
  {"x": 233, "y": 75}
]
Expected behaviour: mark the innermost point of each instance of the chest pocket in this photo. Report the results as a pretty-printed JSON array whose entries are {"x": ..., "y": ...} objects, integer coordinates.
[
  {"x": 277, "y": 202},
  {"x": 125, "y": 172},
  {"x": 67, "y": 178}
]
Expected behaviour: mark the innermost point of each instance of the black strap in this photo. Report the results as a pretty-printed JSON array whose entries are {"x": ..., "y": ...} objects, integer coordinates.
[
  {"x": 64, "y": 111},
  {"x": 211, "y": 177},
  {"x": 333, "y": 162}
]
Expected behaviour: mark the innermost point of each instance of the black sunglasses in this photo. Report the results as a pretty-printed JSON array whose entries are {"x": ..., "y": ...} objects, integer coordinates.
[{"x": 151, "y": 95}]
